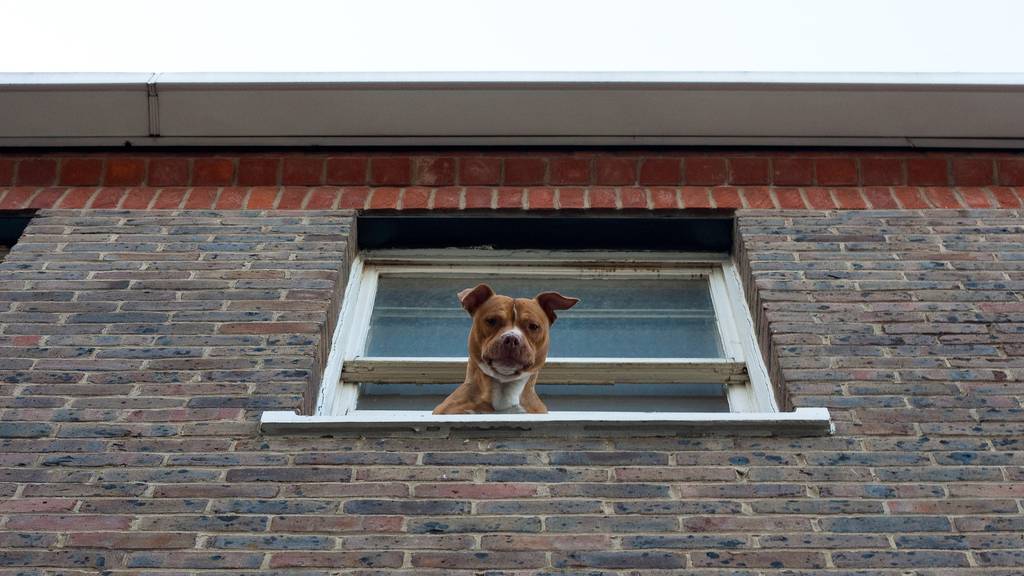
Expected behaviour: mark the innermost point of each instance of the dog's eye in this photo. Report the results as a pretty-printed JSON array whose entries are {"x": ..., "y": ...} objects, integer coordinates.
[
  {"x": 492, "y": 321},
  {"x": 533, "y": 326}
]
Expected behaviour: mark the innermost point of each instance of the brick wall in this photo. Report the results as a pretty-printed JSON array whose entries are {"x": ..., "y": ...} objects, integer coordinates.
[{"x": 137, "y": 348}]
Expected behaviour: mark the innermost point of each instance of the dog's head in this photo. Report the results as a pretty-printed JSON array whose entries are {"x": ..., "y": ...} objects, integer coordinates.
[{"x": 510, "y": 335}]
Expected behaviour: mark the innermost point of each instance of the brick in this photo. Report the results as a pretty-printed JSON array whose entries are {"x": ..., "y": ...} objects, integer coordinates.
[
  {"x": 390, "y": 171},
  {"x": 231, "y": 198},
  {"x": 69, "y": 522},
  {"x": 471, "y": 525},
  {"x": 274, "y": 542},
  {"x": 521, "y": 542},
  {"x": 292, "y": 198},
  {"x": 695, "y": 197},
  {"x": 30, "y": 505},
  {"x": 608, "y": 458},
  {"x": 973, "y": 171},
  {"x": 539, "y": 506},
  {"x": 726, "y": 197},
  {"x": 927, "y": 172},
  {"x": 909, "y": 198},
  {"x": 213, "y": 172},
  {"x": 792, "y": 171},
  {"x": 268, "y": 327},
  {"x": 776, "y": 559},
  {"x": 886, "y": 524},
  {"x": 510, "y": 198},
  {"x": 569, "y": 171},
  {"x": 789, "y": 198},
  {"x": 820, "y": 198},
  {"x": 658, "y": 172},
  {"x": 406, "y": 507},
  {"x": 107, "y": 198},
  {"x": 347, "y": 171},
  {"x": 129, "y": 541},
  {"x": 474, "y": 491},
  {"x": 881, "y": 172},
  {"x": 46, "y": 198},
  {"x": 836, "y": 171},
  {"x": 336, "y": 559},
  {"x": 169, "y": 198},
  {"x": 202, "y": 198},
  {"x": 17, "y": 198},
  {"x": 664, "y": 198},
  {"x": 975, "y": 197},
  {"x": 480, "y": 171},
  {"x": 522, "y": 171},
  {"x": 124, "y": 172},
  {"x": 195, "y": 560},
  {"x": 257, "y": 171},
  {"x": 537, "y": 199},
  {"x": 202, "y": 523},
  {"x": 1005, "y": 197},
  {"x": 633, "y": 198},
  {"x": 899, "y": 559},
  {"x": 570, "y": 198},
  {"x": 1010, "y": 171},
  {"x": 337, "y": 524},
  {"x": 748, "y": 171},
  {"x": 611, "y": 524},
  {"x": 612, "y": 171},
  {"x": 942, "y": 198},
  {"x": 327, "y": 198},
  {"x": 758, "y": 198},
  {"x": 849, "y": 198},
  {"x": 36, "y": 172},
  {"x": 653, "y": 560},
  {"x": 384, "y": 199},
  {"x": 448, "y": 199},
  {"x": 479, "y": 198},
  {"x": 302, "y": 171},
  {"x": 705, "y": 171},
  {"x": 478, "y": 560},
  {"x": 435, "y": 171},
  {"x": 168, "y": 172},
  {"x": 80, "y": 172},
  {"x": 7, "y": 171},
  {"x": 688, "y": 541}
]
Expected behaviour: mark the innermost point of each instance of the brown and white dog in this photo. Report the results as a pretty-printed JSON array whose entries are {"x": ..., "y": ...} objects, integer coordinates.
[{"x": 508, "y": 345}]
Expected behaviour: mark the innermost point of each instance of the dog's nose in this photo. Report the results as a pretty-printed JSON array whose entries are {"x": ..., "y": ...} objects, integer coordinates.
[{"x": 510, "y": 340}]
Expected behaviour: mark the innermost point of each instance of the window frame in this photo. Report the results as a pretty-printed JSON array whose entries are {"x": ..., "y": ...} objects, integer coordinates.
[{"x": 338, "y": 399}]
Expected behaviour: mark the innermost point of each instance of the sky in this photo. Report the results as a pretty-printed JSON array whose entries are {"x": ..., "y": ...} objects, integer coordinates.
[{"x": 981, "y": 36}]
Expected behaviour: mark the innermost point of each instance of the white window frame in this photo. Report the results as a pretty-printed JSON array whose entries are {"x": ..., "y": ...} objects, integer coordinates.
[{"x": 749, "y": 392}]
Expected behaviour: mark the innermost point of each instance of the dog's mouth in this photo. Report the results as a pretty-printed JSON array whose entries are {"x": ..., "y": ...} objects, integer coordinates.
[{"x": 501, "y": 369}]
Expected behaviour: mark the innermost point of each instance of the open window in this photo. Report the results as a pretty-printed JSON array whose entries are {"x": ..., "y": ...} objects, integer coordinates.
[
  {"x": 658, "y": 338},
  {"x": 649, "y": 335}
]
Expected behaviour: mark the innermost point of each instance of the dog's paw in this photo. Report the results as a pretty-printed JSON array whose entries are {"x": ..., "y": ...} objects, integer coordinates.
[{"x": 517, "y": 409}]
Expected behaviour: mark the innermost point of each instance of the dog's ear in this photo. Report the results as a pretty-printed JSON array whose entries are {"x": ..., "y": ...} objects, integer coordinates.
[
  {"x": 472, "y": 298},
  {"x": 551, "y": 301}
]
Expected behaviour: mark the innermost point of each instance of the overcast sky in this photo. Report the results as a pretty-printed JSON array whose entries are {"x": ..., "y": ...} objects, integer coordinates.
[{"x": 514, "y": 35}]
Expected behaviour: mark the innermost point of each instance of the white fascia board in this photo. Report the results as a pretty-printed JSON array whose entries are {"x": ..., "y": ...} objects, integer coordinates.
[
  {"x": 802, "y": 421},
  {"x": 482, "y": 109}
]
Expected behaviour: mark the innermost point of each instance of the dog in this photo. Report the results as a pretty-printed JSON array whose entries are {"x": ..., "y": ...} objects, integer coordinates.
[{"x": 508, "y": 345}]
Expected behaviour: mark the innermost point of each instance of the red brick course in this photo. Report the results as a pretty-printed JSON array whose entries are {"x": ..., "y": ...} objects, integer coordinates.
[
  {"x": 538, "y": 198},
  {"x": 665, "y": 167}
]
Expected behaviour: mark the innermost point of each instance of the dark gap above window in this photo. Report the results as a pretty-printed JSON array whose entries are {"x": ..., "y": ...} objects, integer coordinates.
[
  {"x": 12, "y": 226},
  {"x": 682, "y": 233}
]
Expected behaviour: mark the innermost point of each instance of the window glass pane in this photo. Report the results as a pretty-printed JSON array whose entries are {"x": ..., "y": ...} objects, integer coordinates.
[
  {"x": 616, "y": 318},
  {"x": 564, "y": 397}
]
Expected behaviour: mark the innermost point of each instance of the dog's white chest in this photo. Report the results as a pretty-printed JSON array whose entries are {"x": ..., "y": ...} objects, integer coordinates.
[{"x": 505, "y": 396}]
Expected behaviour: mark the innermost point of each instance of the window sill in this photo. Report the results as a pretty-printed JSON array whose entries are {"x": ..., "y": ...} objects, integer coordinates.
[{"x": 801, "y": 422}]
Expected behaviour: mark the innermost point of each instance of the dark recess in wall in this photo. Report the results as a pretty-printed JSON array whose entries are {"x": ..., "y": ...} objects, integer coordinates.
[{"x": 681, "y": 232}]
